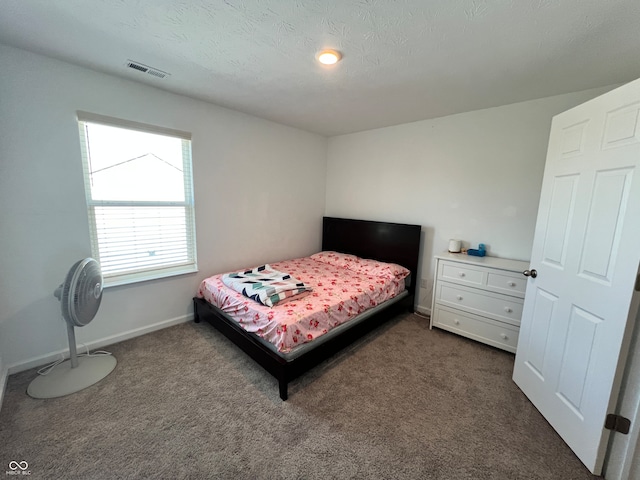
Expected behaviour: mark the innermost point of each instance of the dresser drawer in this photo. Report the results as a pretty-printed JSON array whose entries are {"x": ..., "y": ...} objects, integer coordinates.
[
  {"x": 507, "y": 283},
  {"x": 460, "y": 273},
  {"x": 484, "y": 330},
  {"x": 493, "y": 305}
]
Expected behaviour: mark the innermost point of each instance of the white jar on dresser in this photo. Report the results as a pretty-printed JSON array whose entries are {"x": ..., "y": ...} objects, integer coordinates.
[{"x": 479, "y": 297}]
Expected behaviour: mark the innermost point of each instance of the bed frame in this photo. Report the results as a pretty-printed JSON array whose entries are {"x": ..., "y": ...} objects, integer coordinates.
[{"x": 387, "y": 242}]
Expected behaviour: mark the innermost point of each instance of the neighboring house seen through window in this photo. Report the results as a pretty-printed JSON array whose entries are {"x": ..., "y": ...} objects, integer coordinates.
[{"x": 139, "y": 193}]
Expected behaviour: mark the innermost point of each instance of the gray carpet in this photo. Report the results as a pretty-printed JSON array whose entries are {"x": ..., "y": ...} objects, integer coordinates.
[{"x": 402, "y": 403}]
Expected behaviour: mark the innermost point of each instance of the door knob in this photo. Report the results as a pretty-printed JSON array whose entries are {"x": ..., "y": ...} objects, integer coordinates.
[{"x": 530, "y": 273}]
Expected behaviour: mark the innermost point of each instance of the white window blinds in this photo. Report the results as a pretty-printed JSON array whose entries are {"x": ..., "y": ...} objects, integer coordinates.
[{"x": 139, "y": 194}]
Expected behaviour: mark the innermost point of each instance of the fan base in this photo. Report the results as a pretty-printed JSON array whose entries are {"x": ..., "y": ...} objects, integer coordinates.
[{"x": 64, "y": 380}]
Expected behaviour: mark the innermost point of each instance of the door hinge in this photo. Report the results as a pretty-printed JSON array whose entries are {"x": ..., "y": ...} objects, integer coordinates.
[
  {"x": 617, "y": 423},
  {"x": 638, "y": 283}
]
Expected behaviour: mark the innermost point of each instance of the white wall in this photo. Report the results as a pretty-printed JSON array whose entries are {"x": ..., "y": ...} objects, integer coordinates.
[
  {"x": 43, "y": 220},
  {"x": 475, "y": 176}
]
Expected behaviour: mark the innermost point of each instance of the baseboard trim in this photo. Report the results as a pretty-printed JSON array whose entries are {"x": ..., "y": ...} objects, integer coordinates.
[
  {"x": 4, "y": 377},
  {"x": 99, "y": 343},
  {"x": 423, "y": 310}
]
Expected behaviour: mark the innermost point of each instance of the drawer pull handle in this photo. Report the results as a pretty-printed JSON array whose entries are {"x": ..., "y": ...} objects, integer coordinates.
[
  {"x": 504, "y": 336},
  {"x": 508, "y": 310},
  {"x": 456, "y": 321},
  {"x": 511, "y": 284},
  {"x": 459, "y": 297},
  {"x": 462, "y": 274}
]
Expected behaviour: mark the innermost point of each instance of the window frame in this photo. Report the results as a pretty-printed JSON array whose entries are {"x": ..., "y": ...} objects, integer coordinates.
[{"x": 158, "y": 271}]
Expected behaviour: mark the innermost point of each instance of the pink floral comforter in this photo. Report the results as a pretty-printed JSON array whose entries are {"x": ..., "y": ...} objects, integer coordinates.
[{"x": 343, "y": 286}]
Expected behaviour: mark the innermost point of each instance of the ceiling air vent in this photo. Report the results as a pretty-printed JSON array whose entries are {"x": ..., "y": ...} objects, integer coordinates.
[{"x": 146, "y": 69}]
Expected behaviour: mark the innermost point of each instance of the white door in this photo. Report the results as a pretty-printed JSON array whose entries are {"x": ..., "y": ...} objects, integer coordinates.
[{"x": 586, "y": 251}]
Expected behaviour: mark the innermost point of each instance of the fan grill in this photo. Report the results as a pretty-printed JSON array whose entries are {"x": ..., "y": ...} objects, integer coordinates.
[{"x": 82, "y": 292}]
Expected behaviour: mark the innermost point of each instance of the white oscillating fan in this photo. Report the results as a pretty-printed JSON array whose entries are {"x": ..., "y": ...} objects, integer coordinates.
[{"x": 80, "y": 296}]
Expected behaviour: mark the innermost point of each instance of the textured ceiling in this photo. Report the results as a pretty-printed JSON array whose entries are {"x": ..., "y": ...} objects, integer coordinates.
[{"x": 403, "y": 60}]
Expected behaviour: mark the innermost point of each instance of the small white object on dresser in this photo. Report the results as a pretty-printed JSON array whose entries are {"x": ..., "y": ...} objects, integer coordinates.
[{"x": 479, "y": 297}]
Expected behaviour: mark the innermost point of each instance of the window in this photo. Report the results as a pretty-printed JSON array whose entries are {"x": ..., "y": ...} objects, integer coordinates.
[{"x": 139, "y": 194}]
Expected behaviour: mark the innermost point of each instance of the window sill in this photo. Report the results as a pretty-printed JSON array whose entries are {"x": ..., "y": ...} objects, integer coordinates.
[{"x": 131, "y": 278}]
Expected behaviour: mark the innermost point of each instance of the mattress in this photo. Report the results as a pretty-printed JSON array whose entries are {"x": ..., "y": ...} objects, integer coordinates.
[{"x": 343, "y": 287}]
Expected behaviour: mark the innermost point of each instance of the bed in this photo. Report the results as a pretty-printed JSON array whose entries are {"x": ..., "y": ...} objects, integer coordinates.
[{"x": 392, "y": 243}]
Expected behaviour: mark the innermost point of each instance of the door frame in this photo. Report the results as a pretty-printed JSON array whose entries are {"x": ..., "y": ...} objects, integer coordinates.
[{"x": 623, "y": 451}]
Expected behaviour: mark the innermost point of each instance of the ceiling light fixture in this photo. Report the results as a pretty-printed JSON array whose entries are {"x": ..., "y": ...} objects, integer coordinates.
[{"x": 328, "y": 57}]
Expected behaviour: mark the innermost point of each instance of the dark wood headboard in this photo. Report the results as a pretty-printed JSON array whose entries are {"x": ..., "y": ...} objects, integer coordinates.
[{"x": 388, "y": 242}]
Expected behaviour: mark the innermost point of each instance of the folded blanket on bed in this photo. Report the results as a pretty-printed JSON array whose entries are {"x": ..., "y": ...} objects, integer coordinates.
[{"x": 265, "y": 285}]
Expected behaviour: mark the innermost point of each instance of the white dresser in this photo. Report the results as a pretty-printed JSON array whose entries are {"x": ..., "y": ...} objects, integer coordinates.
[{"x": 479, "y": 297}]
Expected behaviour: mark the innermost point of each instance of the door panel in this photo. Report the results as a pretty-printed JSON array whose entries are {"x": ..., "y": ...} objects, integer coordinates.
[
  {"x": 544, "y": 305},
  {"x": 573, "y": 139},
  {"x": 560, "y": 214},
  {"x": 605, "y": 224},
  {"x": 622, "y": 126},
  {"x": 577, "y": 358}
]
